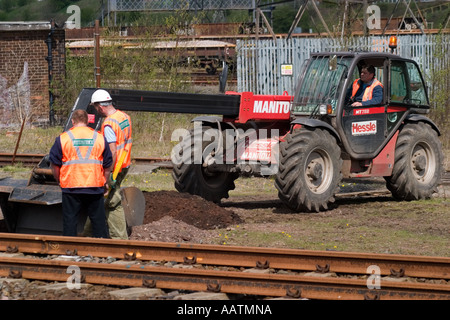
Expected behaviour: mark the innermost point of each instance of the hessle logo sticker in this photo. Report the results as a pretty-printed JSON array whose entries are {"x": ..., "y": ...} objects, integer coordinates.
[{"x": 364, "y": 127}]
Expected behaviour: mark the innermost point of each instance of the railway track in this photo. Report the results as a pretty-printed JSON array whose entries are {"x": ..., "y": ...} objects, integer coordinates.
[
  {"x": 30, "y": 160},
  {"x": 26, "y": 159},
  {"x": 233, "y": 270}
]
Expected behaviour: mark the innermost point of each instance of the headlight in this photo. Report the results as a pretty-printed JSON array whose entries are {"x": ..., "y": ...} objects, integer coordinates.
[{"x": 325, "y": 109}]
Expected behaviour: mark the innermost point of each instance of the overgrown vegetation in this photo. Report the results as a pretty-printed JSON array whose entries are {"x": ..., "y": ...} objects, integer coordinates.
[
  {"x": 439, "y": 91},
  {"x": 136, "y": 67}
]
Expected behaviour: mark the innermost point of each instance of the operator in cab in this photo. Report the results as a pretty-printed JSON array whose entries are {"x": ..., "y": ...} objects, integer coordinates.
[{"x": 367, "y": 90}]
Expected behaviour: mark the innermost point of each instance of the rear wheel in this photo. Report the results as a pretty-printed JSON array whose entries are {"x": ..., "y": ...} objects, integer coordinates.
[
  {"x": 309, "y": 170},
  {"x": 190, "y": 169},
  {"x": 418, "y": 164}
]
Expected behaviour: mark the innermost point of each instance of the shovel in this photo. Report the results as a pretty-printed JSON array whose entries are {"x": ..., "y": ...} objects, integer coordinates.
[{"x": 133, "y": 200}]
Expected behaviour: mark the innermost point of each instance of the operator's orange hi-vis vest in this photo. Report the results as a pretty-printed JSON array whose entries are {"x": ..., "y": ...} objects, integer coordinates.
[
  {"x": 121, "y": 124},
  {"x": 82, "y": 161},
  {"x": 369, "y": 90}
]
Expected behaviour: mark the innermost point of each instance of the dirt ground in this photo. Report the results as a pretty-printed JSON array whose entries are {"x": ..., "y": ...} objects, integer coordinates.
[{"x": 175, "y": 217}]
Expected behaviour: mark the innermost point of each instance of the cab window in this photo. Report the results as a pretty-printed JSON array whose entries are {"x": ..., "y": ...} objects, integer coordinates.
[
  {"x": 406, "y": 84},
  {"x": 398, "y": 82},
  {"x": 418, "y": 94}
]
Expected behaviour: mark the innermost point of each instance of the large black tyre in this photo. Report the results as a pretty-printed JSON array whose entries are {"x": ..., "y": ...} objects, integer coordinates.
[
  {"x": 309, "y": 170},
  {"x": 418, "y": 165},
  {"x": 193, "y": 177}
]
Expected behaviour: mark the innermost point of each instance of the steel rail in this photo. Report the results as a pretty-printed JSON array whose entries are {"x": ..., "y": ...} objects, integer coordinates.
[
  {"x": 27, "y": 159},
  {"x": 33, "y": 159},
  {"x": 162, "y": 162},
  {"x": 236, "y": 256},
  {"x": 294, "y": 286}
]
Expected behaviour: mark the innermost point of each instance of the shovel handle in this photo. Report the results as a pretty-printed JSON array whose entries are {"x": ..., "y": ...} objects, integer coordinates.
[{"x": 119, "y": 164}]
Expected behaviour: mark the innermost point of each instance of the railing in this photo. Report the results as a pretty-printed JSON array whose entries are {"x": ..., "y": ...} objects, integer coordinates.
[{"x": 168, "y": 5}]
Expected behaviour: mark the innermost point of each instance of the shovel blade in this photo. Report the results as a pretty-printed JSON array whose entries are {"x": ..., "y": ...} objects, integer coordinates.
[{"x": 133, "y": 202}]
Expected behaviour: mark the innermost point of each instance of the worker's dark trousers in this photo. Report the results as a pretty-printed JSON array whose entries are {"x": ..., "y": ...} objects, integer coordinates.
[{"x": 92, "y": 204}]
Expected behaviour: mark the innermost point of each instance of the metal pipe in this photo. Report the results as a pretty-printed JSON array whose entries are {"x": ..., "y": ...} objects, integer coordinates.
[
  {"x": 49, "y": 59},
  {"x": 97, "y": 54},
  {"x": 18, "y": 139}
]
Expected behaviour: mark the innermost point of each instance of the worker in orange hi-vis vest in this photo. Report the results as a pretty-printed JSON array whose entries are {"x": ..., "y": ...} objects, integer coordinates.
[
  {"x": 117, "y": 130},
  {"x": 81, "y": 162},
  {"x": 367, "y": 90}
]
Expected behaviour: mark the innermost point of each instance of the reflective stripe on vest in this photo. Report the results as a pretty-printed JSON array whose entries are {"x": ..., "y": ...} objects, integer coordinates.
[
  {"x": 368, "y": 91},
  {"x": 78, "y": 171},
  {"x": 77, "y": 143},
  {"x": 121, "y": 125}
]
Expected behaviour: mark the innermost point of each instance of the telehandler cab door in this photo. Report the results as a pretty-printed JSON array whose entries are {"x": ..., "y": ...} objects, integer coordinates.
[
  {"x": 365, "y": 127},
  {"x": 368, "y": 129},
  {"x": 407, "y": 91}
]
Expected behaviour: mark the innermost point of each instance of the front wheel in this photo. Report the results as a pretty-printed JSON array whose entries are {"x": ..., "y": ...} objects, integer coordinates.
[
  {"x": 418, "y": 165},
  {"x": 309, "y": 170},
  {"x": 190, "y": 170}
]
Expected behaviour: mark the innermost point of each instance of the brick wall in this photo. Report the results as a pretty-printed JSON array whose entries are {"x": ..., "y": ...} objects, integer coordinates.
[{"x": 20, "y": 43}]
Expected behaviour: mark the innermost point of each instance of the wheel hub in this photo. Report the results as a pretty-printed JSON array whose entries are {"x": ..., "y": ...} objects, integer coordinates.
[
  {"x": 314, "y": 171},
  {"x": 419, "y": 162},
  {"x": 423, "y": 162},
  {"x": 318, "y": 172}
]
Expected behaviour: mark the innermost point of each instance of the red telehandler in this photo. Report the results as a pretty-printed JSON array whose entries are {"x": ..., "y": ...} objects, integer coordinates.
[{"x": 313, "y": 139}]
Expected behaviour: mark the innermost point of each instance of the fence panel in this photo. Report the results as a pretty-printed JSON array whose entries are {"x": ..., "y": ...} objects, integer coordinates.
[{"x": 259, "y": 62}]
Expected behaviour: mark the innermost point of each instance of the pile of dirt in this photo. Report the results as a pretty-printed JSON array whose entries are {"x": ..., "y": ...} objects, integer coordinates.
[
  {"x": 168, "y": 229},
  {"x": 171, "y": 216},
  {"x": 188, "y": 208}
]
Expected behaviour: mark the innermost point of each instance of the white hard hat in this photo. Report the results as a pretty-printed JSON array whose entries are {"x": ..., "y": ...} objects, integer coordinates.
[{"x": 100, "y": 96}]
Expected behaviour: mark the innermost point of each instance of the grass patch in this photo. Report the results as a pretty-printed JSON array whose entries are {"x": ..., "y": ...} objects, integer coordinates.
[
  {"x": 150, "y": 182},
  {"x": 385, "y": 226},
  {"x": 33, "y": 140},
  {"x": 246, "y": 186},
  {"x": 17, "y": 171}
]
